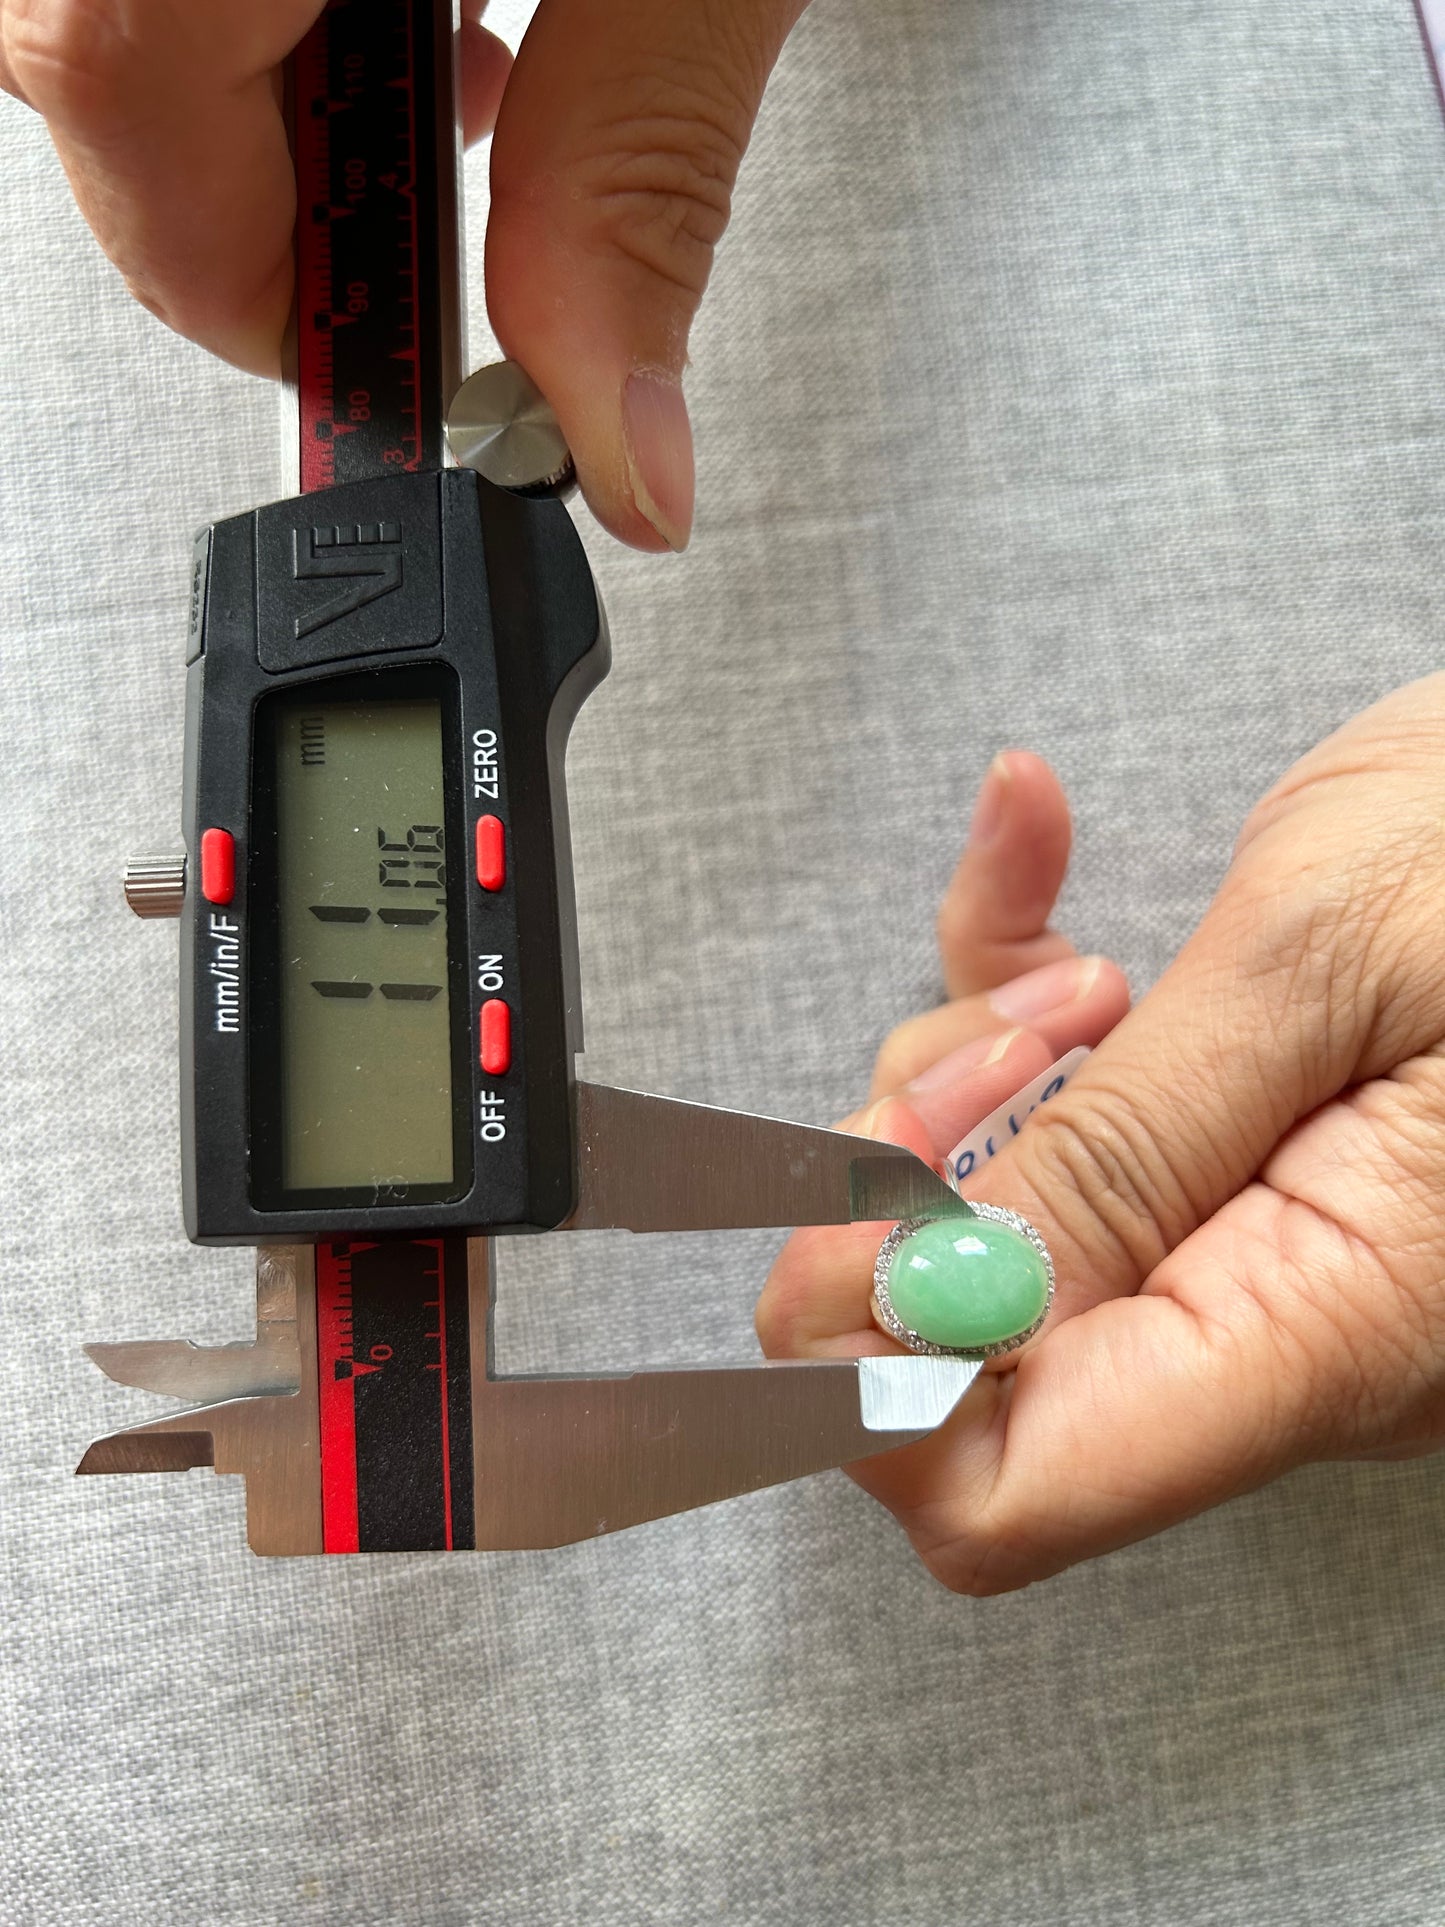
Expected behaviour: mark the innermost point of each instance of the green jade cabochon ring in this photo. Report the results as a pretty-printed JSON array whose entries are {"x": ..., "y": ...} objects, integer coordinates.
[{"x": 970, "y": 1287}]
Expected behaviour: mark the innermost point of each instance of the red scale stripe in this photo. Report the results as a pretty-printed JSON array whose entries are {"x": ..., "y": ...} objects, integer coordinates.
[{"x": 340, "y": 1519}]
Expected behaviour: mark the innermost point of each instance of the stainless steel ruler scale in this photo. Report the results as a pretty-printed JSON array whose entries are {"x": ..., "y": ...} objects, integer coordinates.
[{"x": 379, "y": 981}]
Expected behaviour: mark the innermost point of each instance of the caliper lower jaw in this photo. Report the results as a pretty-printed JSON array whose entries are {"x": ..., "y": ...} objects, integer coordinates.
[{"x": 556, "y": 1459}]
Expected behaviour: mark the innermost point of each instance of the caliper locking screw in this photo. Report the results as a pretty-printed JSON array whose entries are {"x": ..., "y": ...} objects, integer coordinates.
[{"x": 500, "y": 425}]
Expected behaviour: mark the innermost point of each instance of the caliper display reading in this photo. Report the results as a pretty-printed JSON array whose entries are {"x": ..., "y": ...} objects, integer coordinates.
[{"x": 365, "y": 1031}]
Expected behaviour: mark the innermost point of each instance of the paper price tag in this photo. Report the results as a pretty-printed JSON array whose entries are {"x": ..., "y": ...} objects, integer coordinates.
[{"x": 987, "y": 1139}]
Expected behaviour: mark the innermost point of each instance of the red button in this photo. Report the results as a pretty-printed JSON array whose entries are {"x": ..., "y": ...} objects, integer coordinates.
[
  {"x": 218, "y": 866},
  {"x": 491, "y": 852},
  {"x": 496, "y": 1037}
]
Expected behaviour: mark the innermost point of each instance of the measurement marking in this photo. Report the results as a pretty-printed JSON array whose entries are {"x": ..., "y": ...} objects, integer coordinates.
[
  {"x": 410, "y": 245},
  {"x": 313, "y": 157},
  {"x": 441, "y": 1301},
  {"x": 340, "y": 1508},
  {"x": 340, "y": 912}
]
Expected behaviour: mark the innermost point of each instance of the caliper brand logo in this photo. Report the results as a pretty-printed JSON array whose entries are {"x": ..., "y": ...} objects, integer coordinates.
[
  {"x": 357, "y": 572},
  {"x": 366, "y": 556}
]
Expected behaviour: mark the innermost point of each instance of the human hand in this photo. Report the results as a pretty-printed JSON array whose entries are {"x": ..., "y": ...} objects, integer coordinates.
[
  {"x": 619, "y": 132},
  {"x": 1243, "y": 1190}
]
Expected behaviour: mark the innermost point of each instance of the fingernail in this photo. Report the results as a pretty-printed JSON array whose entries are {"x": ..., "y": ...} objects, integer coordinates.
[
  {"x": 657, "y": 438},
  {"x": 992, "y": 799},
  {"x": 1051, "y": 988},
  {"x": 968, "y": 1057}
]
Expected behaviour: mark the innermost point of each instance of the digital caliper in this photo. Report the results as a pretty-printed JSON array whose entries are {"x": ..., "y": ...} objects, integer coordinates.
[{"x": 379, "y": 979}]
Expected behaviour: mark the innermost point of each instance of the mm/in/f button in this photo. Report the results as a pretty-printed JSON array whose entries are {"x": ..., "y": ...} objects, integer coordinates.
[{"x": 218, "y": 866}]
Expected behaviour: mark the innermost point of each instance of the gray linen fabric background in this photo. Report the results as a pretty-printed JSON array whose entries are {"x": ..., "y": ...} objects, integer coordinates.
[{"x": 1071, "y": 377}]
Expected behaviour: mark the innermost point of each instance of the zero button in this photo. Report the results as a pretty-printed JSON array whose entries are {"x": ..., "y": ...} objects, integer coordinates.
[{"x": 491, "y": 852}]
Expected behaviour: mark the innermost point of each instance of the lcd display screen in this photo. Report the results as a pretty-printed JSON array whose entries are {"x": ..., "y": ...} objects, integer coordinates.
[{"x": 365, "y": 1020}]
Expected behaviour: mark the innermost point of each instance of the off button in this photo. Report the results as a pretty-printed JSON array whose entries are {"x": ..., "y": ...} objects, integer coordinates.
[{"x": 496, "y": 1038}]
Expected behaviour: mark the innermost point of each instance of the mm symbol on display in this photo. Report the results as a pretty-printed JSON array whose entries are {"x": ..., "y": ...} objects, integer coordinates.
[{"x": 369, "y": 557}]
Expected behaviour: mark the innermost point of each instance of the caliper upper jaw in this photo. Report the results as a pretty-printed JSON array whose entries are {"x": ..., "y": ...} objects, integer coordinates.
[
  {"x": 648, "y": 1163},
  {"x": 261, "y": 1419}
]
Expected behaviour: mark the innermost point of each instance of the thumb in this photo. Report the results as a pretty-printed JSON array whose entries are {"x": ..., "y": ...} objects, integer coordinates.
[{"x": 618, "y": 143}]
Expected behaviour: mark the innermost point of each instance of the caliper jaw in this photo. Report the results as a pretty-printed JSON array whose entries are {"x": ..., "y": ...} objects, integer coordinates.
[
  {"x": 554, "y": 1459},
  {"x": 254, "y": 1407}
]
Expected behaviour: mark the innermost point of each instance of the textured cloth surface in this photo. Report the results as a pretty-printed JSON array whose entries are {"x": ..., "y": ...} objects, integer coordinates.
[{"x": 1071, "y": 377}]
